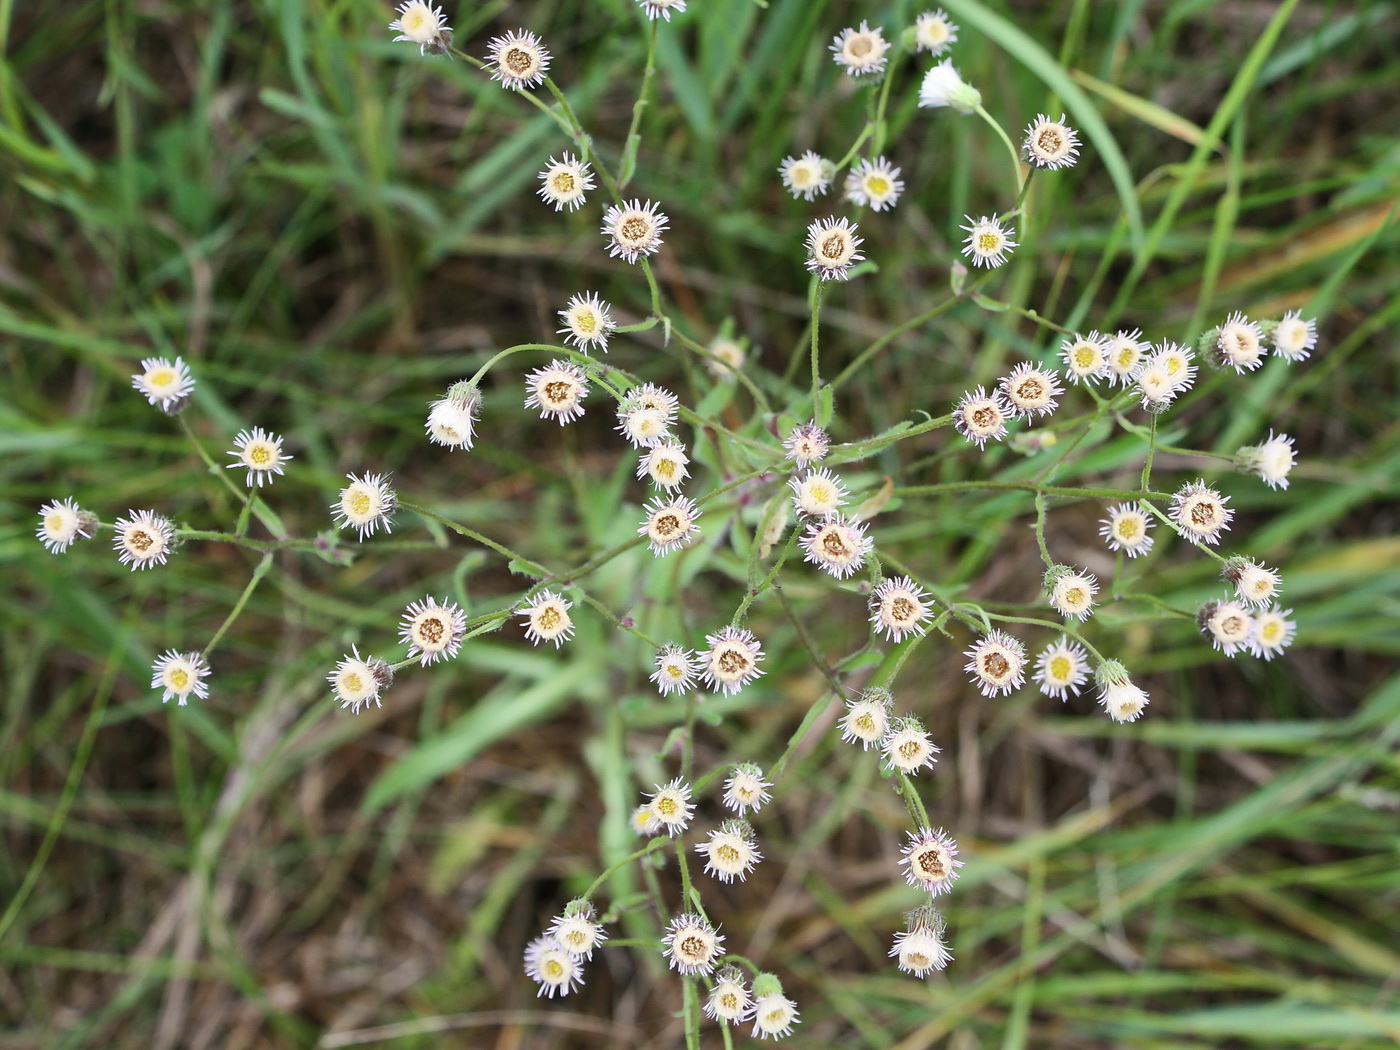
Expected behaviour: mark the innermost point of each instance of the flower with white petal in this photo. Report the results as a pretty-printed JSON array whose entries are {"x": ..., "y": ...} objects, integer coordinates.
[
  {"x": 180, "y": 674},
  {"x": 63, "y": 521}
]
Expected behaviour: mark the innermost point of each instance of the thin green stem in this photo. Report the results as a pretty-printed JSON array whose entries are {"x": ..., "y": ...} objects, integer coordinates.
[
  {"x": 1010, "y": 148},
  {"x": 650, "y": 847},
  {"x": 259, "y": 571},
  {"x": 535, "y": 567}
]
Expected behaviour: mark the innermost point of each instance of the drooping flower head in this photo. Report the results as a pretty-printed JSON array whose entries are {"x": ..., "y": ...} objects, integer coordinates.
[
  {"x": 774, "y": 1014},
  {"x": 424, "y": 25},
  {"x": 357, "y": 681},
  {"x": 920, "y": 947},
  {"x": 666, "y": 464},
  {"x": 63, "y": 521},
  {"x": 1294, "y": 337},
  {"x": 1239, "y": 344},
  {"x": 661, "y": 8},
  {"x": 1272, "y": 460},
  {"x": 1120, "y": 697},
  {"x": 942, "y": 86},
  {"x": 1254, "y": 582},
  {"x": 452, "y": 419}
]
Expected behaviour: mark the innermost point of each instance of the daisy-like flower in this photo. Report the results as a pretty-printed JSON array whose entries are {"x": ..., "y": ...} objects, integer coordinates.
[
  {"x": 806, "y": 176},
  {"x": 874, "y": 182},
  {"x": 1126, "y": 351},
  {"x": 907, "y": 746},
  {"x": 981, "y": 417},
  {"x": 144, "y": 539},
  {"x": 731, "y": 852},
  {"x": 557, "y": 390},
  {"x": 641, "y": 819},
  {"x": 988, "y": 241},
  {"x": 1239, "y": 344},
  {"x": 1156, "y": 385},
  {"x": 1122, "y": 699},
  {"x": 817, "y": 494},
  {"x": 1061, "y": 669},
  {"x": 564, "y": 182},
  {"x": 1128, "y": 529},
  {"x": 1179, "y": 363},
  {"x": 357, "y": 682},
  {"x": 807, "y": 444},
  {"x": 666, "y": 464},
  {"x": 837, "y": 545},
  {"x": 746, "y": 789},
  {"x": 669, "y": 524},
  {"x": 661, "y": 8},
  {"x": 1050, "y": 144},
  {"x": 1031, "y": 390},
  {"x": 452, "y": 419},
  {"x": 547, "y": 619},
  {"x": 675, "y": 669},
  {"x": 518, "y": 60},
  {"x": 1228, "y": 625},
  {"x": 424, "y": 25},
  {"x": 729, "y": 1000},
  {"x": 367, "y": 504},
  {"x": 725, "y": 357},
  {"x": 634, "y": 229},
  {"x": 997, "y": 663},
  {"x": 731, "y": 662},
  {"x": 1071, "y": 593},
  {"x": 649, "y": 395},
  {"x": 433, "y": 630},
  {"x": 260, "y": 453},
  {"x": 934, "y": 33},
  {"x": 1272, "y": 460},
  {"x": 942, "y": 86},
  {"x": 671, "y": 808},
  {"x": 1086, "y": 357},
  {"x": 63, "y": 521},
  {"x": 578, "y": 930},
  {"x": 587, "y": 322},
  {"x": 1294, "y": 337},
  {"x": 832, "y": 248},
  {"x": 179, "y": 675},
  {"x": 867, "y": 718},
  {"x": 644, "y": 426},
  {"x": 1253, "y": 582},
  {"x": 166, "y": 384},
  {"x": 1273, "y": 632},
  {"x": 899, "y": 606},
  {"x": 774, "y": 1014},
  {"x": 1200, "y": 513},
  {"x": 692, "y": 945},
  {"x": 930, "y": 860},
  {"x": 549, "y": 965},
  {"x": 860, "y": 52},
  {"x": 919, "y": 947}
]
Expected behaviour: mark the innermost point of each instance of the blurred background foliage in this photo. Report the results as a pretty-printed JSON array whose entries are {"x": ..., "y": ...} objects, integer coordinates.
[{"x": 331, "y": 229}]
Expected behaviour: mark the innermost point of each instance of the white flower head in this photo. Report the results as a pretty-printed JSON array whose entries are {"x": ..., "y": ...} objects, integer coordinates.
[
  {"x": 1086, "y": 357},
  {"x": 547, "y": 619},
  {"x": 988, "y": 240},
  {"x": 180, "y": 674},
  {"x": 665, "y": 464},
  {"x": 942, "y": 86},
  {"x": 675, "y": 669},
  {"x": 731, "y": 852},
  {"x": 357, "y": 681},
  {"x": 587, "y": 323},
  {"x": 424, "y": 25},
  {"x": 564, "y": 182},
  {"x": 452, "y": 419},
  {"x": 920, "y": 947},
  {"x": 929, "y": 860},
  {"x": 1254, "y": 583},
  {"x": 669, "y": 524},
  {"x": 981, "y": 417},
  {"x": 518, "y": 60},
  {"x": 557, "y": 390},
  {"x": 817, "y": 493},
  {"x": 874, "y": 182},
  {"x": 1179, "y": 362},
  {"x": 1050, "y": 144},
  {"x": 1273, "y": 632},
  {"x": 1156, "y": 385},
  {"x": 1200, "y": 513},
  {"x": 867, "y": 718},
  {"x": 143, "y": 539},
  {"x": 860, "y": 52},
  {"x": 1227, "y": 624},
  {"x": 746, "y": 789},
  {"x": 732, "y": 660},
  {"x": 63, "y": 521},
  {"x": 644, "y": 426},
  {"x": 838, "y": 545},
  {"x": 805, "y": 176},
  {"x": 166, "y": 384},
  {"x": 661, "y": 8},
  {"x": 1062, "y": 669},
  {"x": 807, "y": 444},
  {"x": 1294, "y": 337},
  {"x": 773, "y": 1015},
  {"x": 577, "y": 930},
  {"x": 1272, "y": 460},
  {"x": 692, "y": 945},
  {"x": 1126, "y": 351},
  {"x": 997, "y": 663},
  {"x": 1239, "y": 344},
  {"x": 833, "y": 247},
  {"x": 934, "y": 33},
  {"x": 552, "y": 967},
  {"x": 729, "y": 1001},
  {"x": 1031, "y": 390},
  {"x": 1128, "y": 529},
  {"x": 1120, "y": 697},
  {"x": 899, "y": 607},
  {"x": 259, "y": 453},
  {"x": 634, "y": 229},
  {"x": 725, "y": 357},
  {"x": 1071, "y": 593},
  {"x": 367, "y": 504},
  {"x": 908, "y": 748},
  {"x": 649, "y": 395},
  {"x": 670, "y": 808},
  {"x": 432, "y": 630}
]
